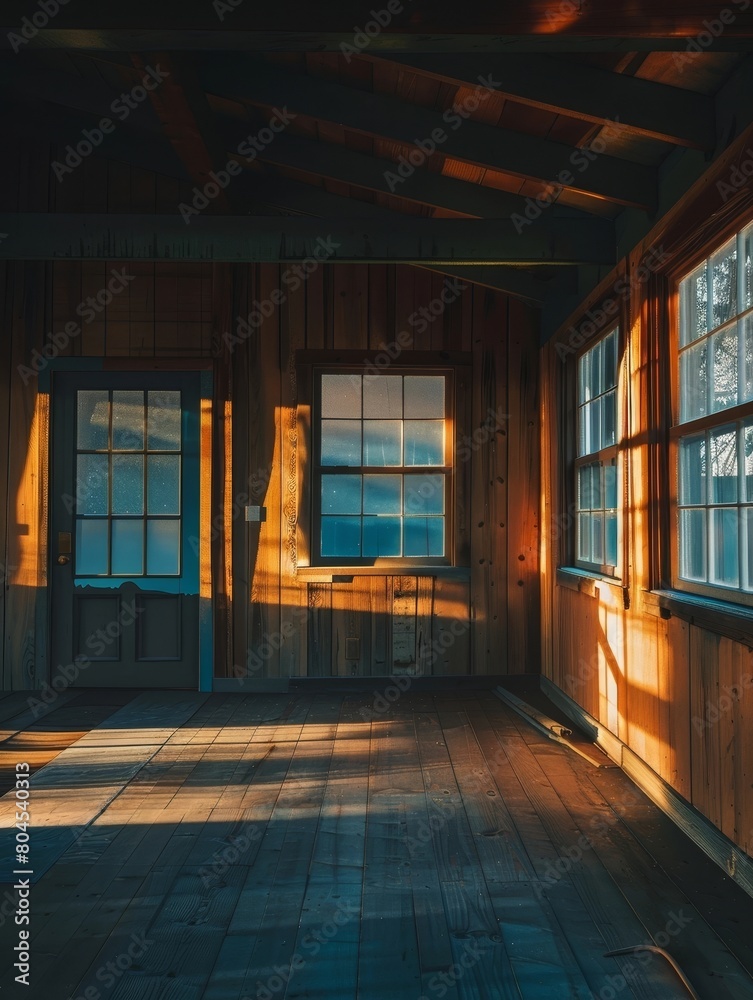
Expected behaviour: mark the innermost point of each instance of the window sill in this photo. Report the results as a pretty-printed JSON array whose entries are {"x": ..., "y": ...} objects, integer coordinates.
[
  {"x": 585, "y": 581},
  {"x": 343, "y": 574},
  {"x": 733, "y": 621}
]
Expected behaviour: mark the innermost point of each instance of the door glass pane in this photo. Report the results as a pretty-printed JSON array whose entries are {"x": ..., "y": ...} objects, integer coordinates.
[
  {"x": 127, "y": 420},
  {"x": 341, "y": 494},
  {"x": 92, "y": 419},
  {"x": 163, "y": 548},
  {"x": 163, "y": 420},
  {"x": 341, "y": 395},
  {"x": 693, "y": 544},
  {"x": 724, "y": 466},
  {"x": 381, "y": 495},
  {"x": 163, "y": 484},
  {"x": 91, "y": 484},
  {"x": 341, "y": 536},
  {"x": 724, "y": 565},
  {"x": 424, "y": 396},
  {"x": 91, "y": 548},
  {"x": 381, "y": 536},
  {"x": 424, "y": 442},
  {"x": 381, "y": 442},
  {"x": 424, "y": 494},
  {"x": 341, "y": 442},
  {"x": 127, "y": 484},
  {"x": 383, "y": 396},
  {"x": 127, "y": 547},
  {"x": 423, "y": 536}
]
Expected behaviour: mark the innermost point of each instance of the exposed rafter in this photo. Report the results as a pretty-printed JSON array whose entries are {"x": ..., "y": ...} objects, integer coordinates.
[
  {"x": 600, "y": 176},
  {"x": 638, "y": 106}
]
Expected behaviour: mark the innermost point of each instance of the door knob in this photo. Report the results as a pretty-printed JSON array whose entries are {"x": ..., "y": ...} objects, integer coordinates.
[{"x": 62, "y": 560}]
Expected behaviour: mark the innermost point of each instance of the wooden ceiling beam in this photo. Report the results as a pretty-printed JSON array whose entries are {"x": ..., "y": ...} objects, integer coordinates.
[
  {"x": 262, "y": 239},
  {"x": 566, "y": 87},
  {"x": 482, "y": 145}
]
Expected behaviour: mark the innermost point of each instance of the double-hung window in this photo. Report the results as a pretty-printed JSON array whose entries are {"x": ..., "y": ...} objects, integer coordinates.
[
  {"x": 596, "y": 465},
  {"x": 382, "y": 482},
  {"x": 713, "y": 431}
]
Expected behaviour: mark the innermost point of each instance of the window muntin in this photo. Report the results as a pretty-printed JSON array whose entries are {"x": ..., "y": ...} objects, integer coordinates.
[
  {"x": 383, "y": 467},
  {"x": 597, "y": 464},
  {"x": 128, "y": 503},
  {"x": 715, "y": 459}
]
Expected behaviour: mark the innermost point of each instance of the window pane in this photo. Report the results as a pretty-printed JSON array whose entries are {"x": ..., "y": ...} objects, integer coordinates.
[
  {"x": 341, "y": 536},
  {"x": 92, "y": 473},
  {"x": 341, "y": 494},
  {"x": 163, "y": 484},
  {"x": 381, "y": 536},
  {"x": 585, "y": 487},
  {"x": 127, "y": 484},
  {"x": 610, "y": 486},
  {"x": 597, "y": 538},
  {"x": 163, "y": 420},
  {"x": 381, "y": 495},
  {"x": 424, "y": 396},
  {"x": 724, "y": 564},
  {"x": 724, "y": 466},
  {"x": 383, "y": 396},
  {"x": 341, "y": 395},
  {"x": 610, "y": 557},
  {"x": 594, "y": 427},
  {"x": 610, "y": 360},
  {"x": 91, "y": 548},
  {"x": 595, "y": 386},
  {"x": 424, "y": 536},
  {"x": 584, "y": 377},
  {"x": 724, "y": 283},
  {"x": 127, "y": 420},
  {"x": 584, "y": 537},
  {"x": 92, "y": 419},
  {"x": 724, "y": 351},
  {"x": 424, "y": 442},
  {"x": 746, "y": 332},
  {"x": 609, "y": 418},
  {"x": 748, "y": 452},
  {"x": 693, "y": 298},
  {"x": 382, "y": 442},
  {"x": 163, "y": 548},
  {"x": 693, "y": 470},
  {"x": 694, "y": 382},
  {"x": 693, "y": 544},
  {"x": 424, "y": 494},
  {"x": 746, "y": 275},
  {"x": 127, "y": 548},
  {"x": 747, "y": 525},
  {"x": 341, "y": 442}
]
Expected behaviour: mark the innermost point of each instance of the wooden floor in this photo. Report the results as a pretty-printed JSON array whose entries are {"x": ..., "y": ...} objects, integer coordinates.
[{"x": 288, "y": 846}]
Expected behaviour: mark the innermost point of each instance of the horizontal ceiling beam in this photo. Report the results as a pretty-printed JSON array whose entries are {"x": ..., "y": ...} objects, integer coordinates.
[
  {"x": 262, "y": 239},
  {"x": 563, "y": 86},
  {"x": 376, "y": 115}
]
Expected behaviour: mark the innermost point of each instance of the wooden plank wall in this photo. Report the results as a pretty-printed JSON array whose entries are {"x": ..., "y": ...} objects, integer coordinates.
[
  {"x": 268, "y": 622},
  {"x": 679, "y": 695}
]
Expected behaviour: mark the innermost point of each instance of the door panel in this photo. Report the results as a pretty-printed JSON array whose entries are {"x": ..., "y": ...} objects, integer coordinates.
[{"x": 124, "y": 528}]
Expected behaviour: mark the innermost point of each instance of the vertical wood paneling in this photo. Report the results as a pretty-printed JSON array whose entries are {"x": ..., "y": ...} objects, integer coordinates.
[{"x": 6, "y": 343}]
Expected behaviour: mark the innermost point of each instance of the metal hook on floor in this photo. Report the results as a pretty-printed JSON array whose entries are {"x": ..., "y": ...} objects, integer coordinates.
[{"x": 665, "y": 954}]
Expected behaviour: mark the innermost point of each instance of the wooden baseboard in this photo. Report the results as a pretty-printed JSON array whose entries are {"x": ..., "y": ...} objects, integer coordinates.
[{"x": 736, "y": 863}]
